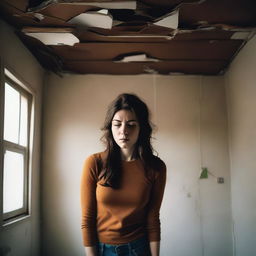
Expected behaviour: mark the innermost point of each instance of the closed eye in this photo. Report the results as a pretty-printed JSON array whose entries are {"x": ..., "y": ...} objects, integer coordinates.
[{"x": 131, "y": 125}]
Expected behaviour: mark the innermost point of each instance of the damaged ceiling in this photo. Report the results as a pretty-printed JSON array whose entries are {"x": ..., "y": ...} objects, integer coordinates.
[{"x": 133, "y": 37}]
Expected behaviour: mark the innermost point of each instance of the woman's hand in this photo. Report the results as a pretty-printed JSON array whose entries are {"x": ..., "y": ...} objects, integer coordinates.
[
  {"x": 91, "y": 251},
  {"x": 154, "y": 248}
]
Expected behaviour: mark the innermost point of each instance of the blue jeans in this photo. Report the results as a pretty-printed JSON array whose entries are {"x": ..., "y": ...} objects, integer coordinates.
[{"x": 138, "y": 247}]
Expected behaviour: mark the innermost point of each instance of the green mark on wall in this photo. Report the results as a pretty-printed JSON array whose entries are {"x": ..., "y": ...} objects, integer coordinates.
[{"x": 204, "y": 173}]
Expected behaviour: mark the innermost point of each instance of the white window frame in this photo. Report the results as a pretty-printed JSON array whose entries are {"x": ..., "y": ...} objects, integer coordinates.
[{"x": 18, "y": 214}]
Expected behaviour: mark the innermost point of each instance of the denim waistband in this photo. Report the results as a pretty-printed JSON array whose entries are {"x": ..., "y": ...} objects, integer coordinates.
[{"x": 125, "y": 247}]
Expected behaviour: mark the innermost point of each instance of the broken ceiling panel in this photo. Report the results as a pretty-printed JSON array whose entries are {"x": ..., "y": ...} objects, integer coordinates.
[
  {"x": 64, "y": 11},
  {"x": 164, "y": 36},
  {"x": 170, "y": 21},
  {"x": 92, "y": 36},
  {"x": 174, "y": 50},
  {"x": 40, "y": 20},
  {"x": 135, "y": 30},
  {"x": 115, "y": 4},
  {"x": 167, "y": 67},
  {"x": 46, "y": 57},
  {"x": 89, "y": 19},
  {"x": 135, "y": 57},
  {"x": 55, "y": 38}
]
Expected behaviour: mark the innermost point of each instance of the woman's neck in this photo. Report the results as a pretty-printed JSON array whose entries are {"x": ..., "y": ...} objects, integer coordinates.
[{"x": 128, "y": 155}]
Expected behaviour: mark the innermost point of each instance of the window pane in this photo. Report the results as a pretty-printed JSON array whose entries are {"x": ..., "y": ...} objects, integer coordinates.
[
  {"x": 11, "y": 114},
  {"x": 13, "y": 181},
  {"x": 24, "y": 121}
]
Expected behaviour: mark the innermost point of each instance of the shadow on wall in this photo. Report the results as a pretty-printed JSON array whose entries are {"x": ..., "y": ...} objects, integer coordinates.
[{"x": 4, "y": 250}]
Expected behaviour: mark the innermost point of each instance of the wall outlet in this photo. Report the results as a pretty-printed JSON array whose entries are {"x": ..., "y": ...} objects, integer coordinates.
[{"x": 220, "y": 180}]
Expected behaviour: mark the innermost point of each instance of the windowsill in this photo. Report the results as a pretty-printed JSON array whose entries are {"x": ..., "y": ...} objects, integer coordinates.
[{"x": 15, "y": 220}]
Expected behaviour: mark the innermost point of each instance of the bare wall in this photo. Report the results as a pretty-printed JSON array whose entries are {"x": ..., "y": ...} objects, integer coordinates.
[
  {"x": 23, "y": 238},
  {"x": 190, "y": 113},
  {"x": 241, "y": 92}
]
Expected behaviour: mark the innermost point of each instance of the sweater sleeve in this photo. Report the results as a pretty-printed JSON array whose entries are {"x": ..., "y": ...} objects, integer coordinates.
[
  {"x": 153, "y": 220},
  {"x": 88, "y": 201}
]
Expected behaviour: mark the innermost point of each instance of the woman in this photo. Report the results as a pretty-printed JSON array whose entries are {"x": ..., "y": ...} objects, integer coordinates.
[{"x": 122, "y": 187}]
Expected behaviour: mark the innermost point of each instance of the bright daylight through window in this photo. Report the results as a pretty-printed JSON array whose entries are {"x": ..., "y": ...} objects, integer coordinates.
[{"x": 16, "y": 113}]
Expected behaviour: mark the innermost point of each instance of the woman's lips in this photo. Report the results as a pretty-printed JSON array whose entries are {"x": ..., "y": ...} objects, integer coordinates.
[{"x": 124, "y": 140}]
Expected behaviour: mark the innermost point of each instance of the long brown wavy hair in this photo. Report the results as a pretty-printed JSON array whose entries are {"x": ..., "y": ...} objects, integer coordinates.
[{"x": 111, "y": 171}]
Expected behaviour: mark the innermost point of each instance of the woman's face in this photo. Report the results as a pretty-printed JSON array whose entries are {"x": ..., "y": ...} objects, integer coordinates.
[{"x": 125, "y": 129}]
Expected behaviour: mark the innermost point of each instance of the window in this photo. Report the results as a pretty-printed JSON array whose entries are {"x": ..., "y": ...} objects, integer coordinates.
[{"x": 15, "y": 131}]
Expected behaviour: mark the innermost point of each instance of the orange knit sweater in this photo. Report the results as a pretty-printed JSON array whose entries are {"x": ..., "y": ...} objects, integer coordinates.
[{"x": 116, "y": 216}]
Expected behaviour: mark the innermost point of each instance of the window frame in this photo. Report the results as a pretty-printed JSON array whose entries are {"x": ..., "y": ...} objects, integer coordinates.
[{"x": 20, "y": 213}]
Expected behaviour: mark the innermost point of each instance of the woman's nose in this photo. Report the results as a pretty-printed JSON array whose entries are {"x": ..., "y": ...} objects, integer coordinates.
[{"x": 124, "y": 130}]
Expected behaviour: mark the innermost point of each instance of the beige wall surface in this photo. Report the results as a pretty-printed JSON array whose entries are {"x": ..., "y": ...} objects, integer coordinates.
[
  {"x": 190, "y": 114},
  {"x": 241, "y": 92},
  {"x": 23, "y": 238}
]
